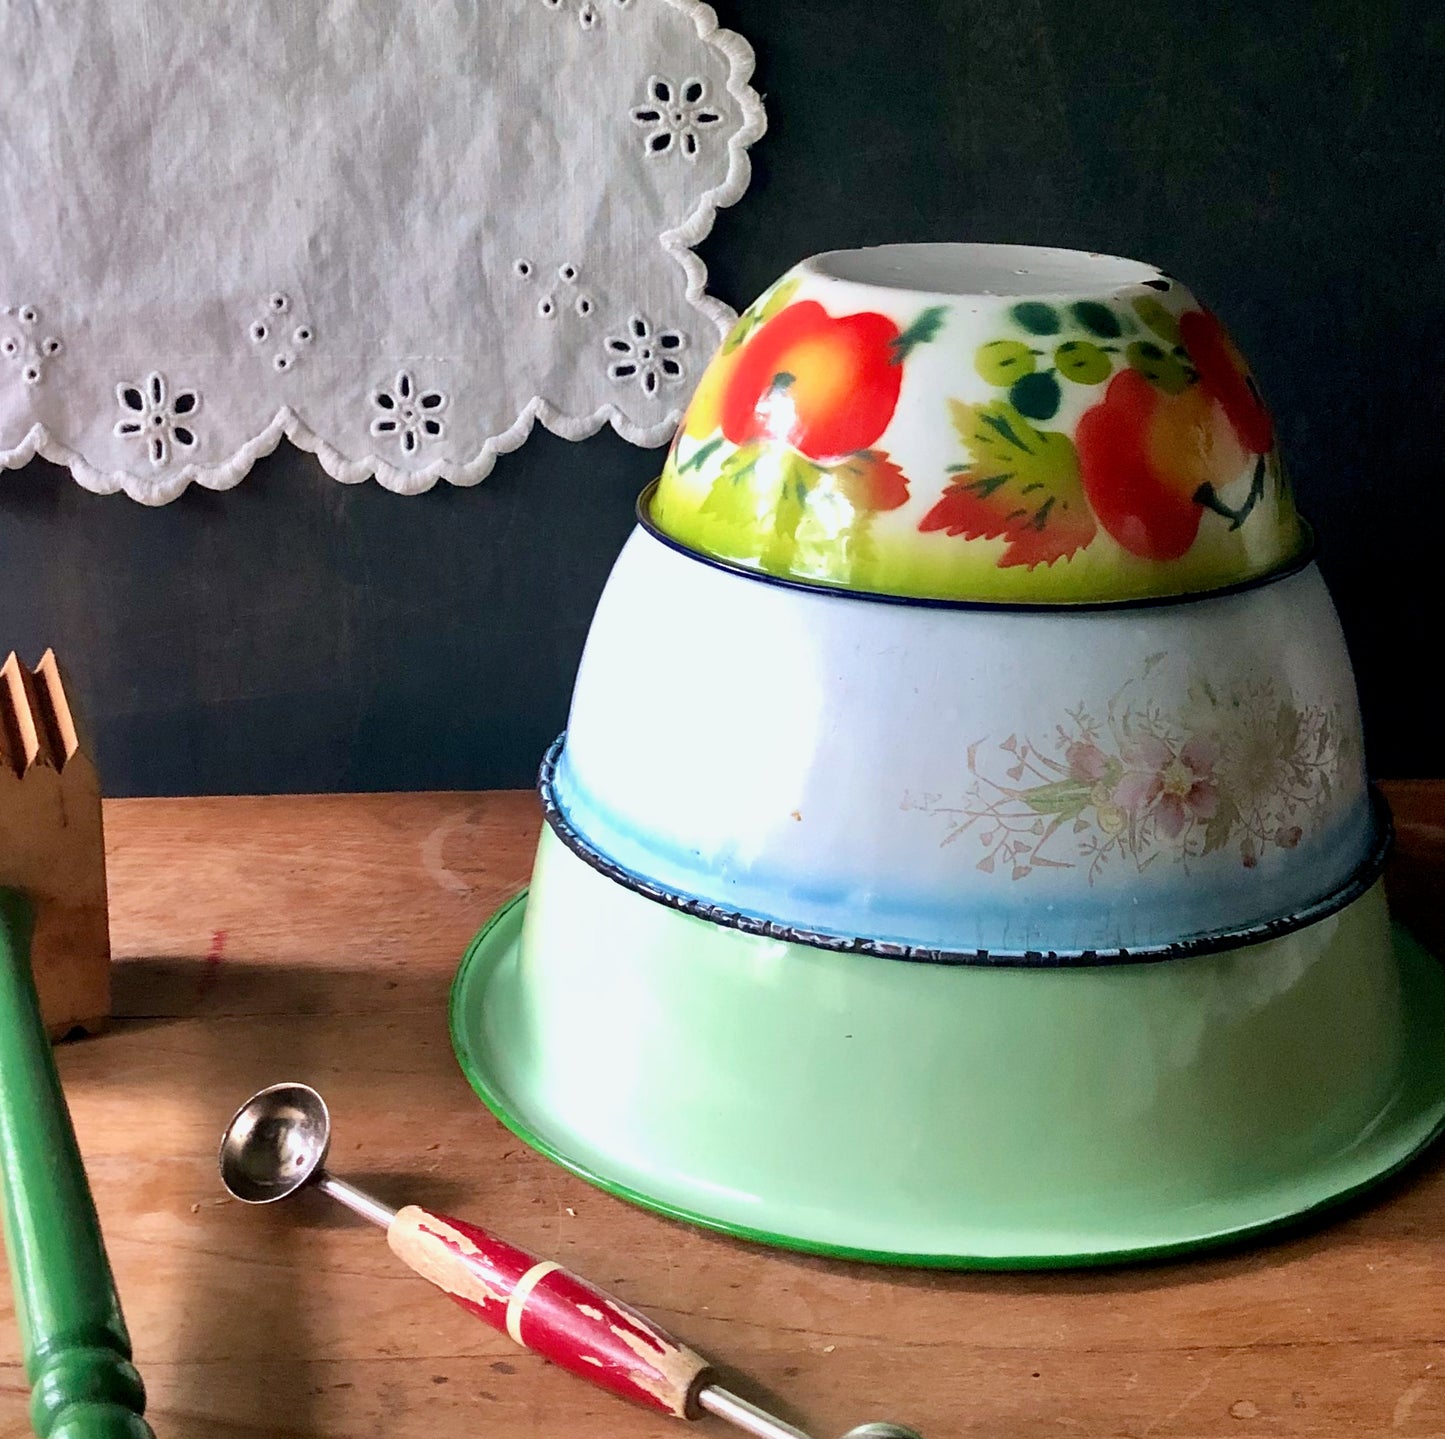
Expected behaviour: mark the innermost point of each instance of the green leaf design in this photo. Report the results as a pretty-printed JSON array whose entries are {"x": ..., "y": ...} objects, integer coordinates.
[
  {"x": 746, "y": 323},
  {"x": 1064, "y": 797},
  {"x": 794, "y": 478},
  {"x": 1287, "y": 729},
  {"x": 1020, "y": 483},
  {"x": 1036, "y": 396},
  {"x": 730, "y": 499},
  {"x": 762, "y": 310},
  {"x": 920, "y": 332},
  {"x": 1221, "y": 825},
  {"x": 778, "y": 299},
  {"x": 1158, "y": 319},
  {"x": 1162, "y": 370},
  {"x": 1083, "y": 362},
  {"x": 700, "y": 456},
  {"x": 1001, "y": 362},
  {"x": 1097, "y": 319},
  {"x": 1036, "y": 317},
  {"x": 861, "y": 549}
]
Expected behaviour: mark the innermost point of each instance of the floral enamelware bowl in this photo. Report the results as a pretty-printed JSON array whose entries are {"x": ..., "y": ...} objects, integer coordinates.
[
  {"x": 948, "y": 777},
  {"x": 985, "y": 422},
  {"x": 954, "y": 1115}
]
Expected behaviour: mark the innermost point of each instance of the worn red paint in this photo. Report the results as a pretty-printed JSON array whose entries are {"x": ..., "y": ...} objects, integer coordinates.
[
  {"x": 212, "y": 971},
  {"x": 577, "y": 1327}
]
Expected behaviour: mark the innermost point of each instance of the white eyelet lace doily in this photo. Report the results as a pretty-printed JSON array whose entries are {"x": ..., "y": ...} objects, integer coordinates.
[{"x": 398, "y": 233}]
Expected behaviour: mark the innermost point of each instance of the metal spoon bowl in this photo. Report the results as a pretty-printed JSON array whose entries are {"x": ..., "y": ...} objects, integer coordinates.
[{"x": 275, "y": 1143}]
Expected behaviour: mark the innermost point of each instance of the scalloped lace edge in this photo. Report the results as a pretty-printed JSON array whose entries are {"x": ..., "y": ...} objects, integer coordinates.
[{"x": 287, "y": 424}]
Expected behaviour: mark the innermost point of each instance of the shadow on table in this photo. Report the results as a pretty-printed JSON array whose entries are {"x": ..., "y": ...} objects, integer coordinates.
[{"x": 261, "y": 1023}]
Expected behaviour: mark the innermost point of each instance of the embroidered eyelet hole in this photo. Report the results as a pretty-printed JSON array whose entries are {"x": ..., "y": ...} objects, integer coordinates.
[
  {"x": 584, "y": 306},
  {"x": 383, "y": 400},
  {"x": 282, "y": 362},
  {"x": 660, "y": 90},
  {"x": 158, "y": 451},
  {"x": 638, "y": 326},
  {"x": 669, "y": 340},
  {"x": 302, "y": 335},
  {"x": 157, "y": 421},
  {"x": 545, "y": 308},
  {"x": 645, "y": 355},
  {"x": 522, "y": 267},
  {"x": 403, "y": 385},
  {"x": 186, "y": 403},
  {"x": 706, "y": 117},
  {"x": 408, "y": 440},
  {"x": 52, "y": 346},
  {"x": 689, "y": 143},
  {"x": 157, "y": 388},
  {"x": 258, "y": 333},
  {"x": 586, "y": 17},
  {"x": 649, "y": 381},
  {"x": 279, "y": 303},
  {"x": 567, "y": 273},
  {"x": 693, "y": 91},
  {"x": 660, "y": 142},
  {"x": 28, "y": 314},
  {"x": 432, "y": 427},
  {"x": 671, "y": 369},
  {"x": 31, "y": 374},
  {"x": 8, "y": 346},
  {"x": 621, "y": 372},
  {"x": 127, "y": 427},
  {"x": 619, "y": 347},
  {"x": 383, "y": 427},
  {"x": 432, "y": 400},
  {"x": 183, "y": 436},
  {"x": 132, "y": 398}
]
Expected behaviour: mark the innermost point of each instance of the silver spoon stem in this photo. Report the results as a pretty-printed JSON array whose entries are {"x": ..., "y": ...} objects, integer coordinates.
[
  {"x": 354, "y": 1199},
  {"x": 747, "y": 1417}
]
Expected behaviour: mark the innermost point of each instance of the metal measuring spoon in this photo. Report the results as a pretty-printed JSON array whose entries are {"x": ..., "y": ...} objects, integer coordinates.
[{"x": 276, "y": 1144}]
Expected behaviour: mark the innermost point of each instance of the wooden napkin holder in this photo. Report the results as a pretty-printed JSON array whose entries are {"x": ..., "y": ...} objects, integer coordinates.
[{"x": 52, "y": 846}]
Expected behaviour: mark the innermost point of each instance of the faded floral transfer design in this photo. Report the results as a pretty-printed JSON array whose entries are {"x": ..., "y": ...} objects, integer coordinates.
[{"x": 1249, "y": 769}]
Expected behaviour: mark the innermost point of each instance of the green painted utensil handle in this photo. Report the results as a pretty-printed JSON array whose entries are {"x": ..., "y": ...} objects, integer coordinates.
[{"x": 77, "y": 1351}]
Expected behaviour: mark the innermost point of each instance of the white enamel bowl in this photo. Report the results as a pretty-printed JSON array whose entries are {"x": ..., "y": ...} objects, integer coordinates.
[{"x": 964, "y": 779}]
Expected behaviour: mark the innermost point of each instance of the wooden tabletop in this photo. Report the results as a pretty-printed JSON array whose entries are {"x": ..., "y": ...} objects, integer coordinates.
[{"x": 315, "y": 938}]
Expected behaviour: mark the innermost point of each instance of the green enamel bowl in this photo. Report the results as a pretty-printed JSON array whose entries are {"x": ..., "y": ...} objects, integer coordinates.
[{"x": 950, "y": 1115}]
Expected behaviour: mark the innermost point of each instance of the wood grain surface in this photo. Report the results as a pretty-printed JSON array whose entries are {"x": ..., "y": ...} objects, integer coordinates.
[{"x": 315, "y": 938}]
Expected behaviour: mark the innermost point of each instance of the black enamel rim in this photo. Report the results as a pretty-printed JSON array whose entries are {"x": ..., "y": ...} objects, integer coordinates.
[
  {"x": 1305, "y": 557},
  {"x": 1359, "y": 882}
]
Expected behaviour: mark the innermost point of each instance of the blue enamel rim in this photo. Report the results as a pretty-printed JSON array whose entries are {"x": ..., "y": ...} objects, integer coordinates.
[
  {"x": 1365, "y": 876},
  {"x": 1302, "y": 560}
]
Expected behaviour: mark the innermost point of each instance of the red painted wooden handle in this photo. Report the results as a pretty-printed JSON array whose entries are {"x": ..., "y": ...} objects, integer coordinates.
[{"x": 545, "y": 1308}]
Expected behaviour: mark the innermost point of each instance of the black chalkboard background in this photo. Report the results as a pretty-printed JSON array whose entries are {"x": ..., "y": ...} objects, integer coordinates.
[{"x": 1286, "y": 159}]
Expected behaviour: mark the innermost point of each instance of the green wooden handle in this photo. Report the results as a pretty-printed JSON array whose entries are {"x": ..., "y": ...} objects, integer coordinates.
[{"x": 77, "y": 1351}]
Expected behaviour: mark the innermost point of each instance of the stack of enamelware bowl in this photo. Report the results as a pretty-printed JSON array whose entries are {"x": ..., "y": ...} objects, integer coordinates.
[{"x": 960, "y": 851}]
